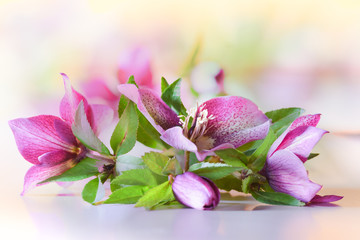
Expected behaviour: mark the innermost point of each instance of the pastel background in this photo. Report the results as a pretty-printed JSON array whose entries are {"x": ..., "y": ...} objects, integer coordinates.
[{"x": 277, "y": 53}]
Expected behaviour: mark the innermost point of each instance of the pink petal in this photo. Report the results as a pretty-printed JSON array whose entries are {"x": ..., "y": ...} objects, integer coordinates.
[
  {"x": 237, "y": 121},
  {"x": 301, "y": 141},
  {"x": 151, "y": 106},
  {"x": 103, "y": 116},
  {"x": 286, "y": 173},
  {"x": 202, "y": 154},
  {"x": 135, "y": 62},
  {"x": 70, "y": 102},
  {"x": 220, "y": 80},
  {"x": 207, "y": 78},
  {"x": 55, "y": 157},
  {"x": 97, "y": 88},
  {"x": 326, "y": 198},
  {"x": 40, "y": 173},
  {"x": 38, "y": 135},
  {"x": 307, "y": 120},
  {"x": 175, "y": 138}
]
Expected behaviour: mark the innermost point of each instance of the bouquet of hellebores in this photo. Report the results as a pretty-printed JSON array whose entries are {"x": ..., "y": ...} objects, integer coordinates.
[{"x": 225, "y": 143}]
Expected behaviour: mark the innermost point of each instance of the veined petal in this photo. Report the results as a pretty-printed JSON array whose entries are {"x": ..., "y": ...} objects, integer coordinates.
[
  {"x": 135, "y": 62},
  {"x": 40, "y": 173},
  {"x": 301, "y": 141},
  {"x": 38, "y": 135},
  {"x": 55, "y": 157},
  {"x": 175, "y": 138},
  {"x": 70, "y": 102},
  {"x": 151, "y": 106},
  {"x": 236, "y": 121},
  {"x": 307, "y": 120},
  {"x": 196, "y": 192},
  {"x": 286, "y": 173},
  {"x": 103, "y": 116}
]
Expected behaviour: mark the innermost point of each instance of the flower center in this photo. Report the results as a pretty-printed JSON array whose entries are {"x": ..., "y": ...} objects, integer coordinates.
[{"x": 195, "y": 123}]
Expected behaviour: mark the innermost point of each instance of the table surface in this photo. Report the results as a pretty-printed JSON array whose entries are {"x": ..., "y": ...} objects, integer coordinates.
[{"x": 64, "y": 215}]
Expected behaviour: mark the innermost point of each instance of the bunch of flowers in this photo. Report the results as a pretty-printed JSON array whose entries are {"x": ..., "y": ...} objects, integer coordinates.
[{"x": 224, "y": 143}]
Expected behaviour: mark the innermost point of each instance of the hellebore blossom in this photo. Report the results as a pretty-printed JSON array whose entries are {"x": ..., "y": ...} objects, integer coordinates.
[
  {"x": 284, "y": 166},
  {"x": 136, "y": 62},
  {"x": 207, "y": 78},
  {"x": 219, "y": 123},
  {"x": 196, "y": 192},
  {"x": 48, "y": 142}
]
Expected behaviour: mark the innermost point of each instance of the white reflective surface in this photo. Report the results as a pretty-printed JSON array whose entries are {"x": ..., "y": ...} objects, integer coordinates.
[{"x": 67, "y": 216}]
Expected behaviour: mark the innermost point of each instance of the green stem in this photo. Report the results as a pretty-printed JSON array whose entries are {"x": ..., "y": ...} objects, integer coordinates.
[
  {"x": 100, "y": 157},
  {"x": 187, "y": 160}
]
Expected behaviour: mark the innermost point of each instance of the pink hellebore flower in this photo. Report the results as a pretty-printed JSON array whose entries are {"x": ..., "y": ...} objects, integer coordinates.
[
  {"x": 48, "y": 142},
  {"x": 219, "y": 123},
  {"x": 196, "y": 192},
  {"x": 135, "y": 62},
  {"x": 284, "y": 167},
  {"x": 208, "y": 78}
]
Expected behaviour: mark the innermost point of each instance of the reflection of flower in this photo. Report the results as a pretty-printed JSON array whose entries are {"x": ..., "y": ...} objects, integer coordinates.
[
  {"x": 134, "y": 62},
  {"x": 196, "y": 192},
  {"x": 284, "y": 166},
  {"x": 48, "y": 142},
  {"x": 222, "y": 122}
]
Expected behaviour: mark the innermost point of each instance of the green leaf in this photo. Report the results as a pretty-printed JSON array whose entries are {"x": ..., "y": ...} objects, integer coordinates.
[
  {"x": 142, "y": 177},
  {"x": 156, "y": 195},
  {"x": 123, "y": 138},
  {"x": 128, "y": 162},
  {"x": 282, "y": 118},
  {"x": 123, "y": 102},
  {"x": 93, "y": 191},
  {"x": 171, "y": 96},
  {"x": 127, "y": 195},
  {"x": 164, "y": 84},
  {"x": 148, "y": 135},
  {"x": 247, "y": 182},
  {"x": 258, "y": 158},
  {"x": 233, "y": 157},
  {"x": 172, "y": 167},
  {"x": 132, "y": 81},
  {"x": 229, "y": 183},
  {"x": 84, "y": 169},
  {"x": 82, "y": 130},
  {"x": 213, "y": 171},
  {"x": 276, "y": 198},
  {"x": 312, "y": 155},
  {"x": 155, "y": 161}
]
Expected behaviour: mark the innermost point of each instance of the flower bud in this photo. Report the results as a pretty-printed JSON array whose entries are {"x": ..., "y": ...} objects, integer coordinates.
[{"x": 196, "y": 192}]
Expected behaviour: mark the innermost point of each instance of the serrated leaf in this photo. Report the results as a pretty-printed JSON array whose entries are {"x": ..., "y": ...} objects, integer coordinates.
[
  {"x": 233, "y": 157},
  {"x": 213, "y": 171},
  {"x": 258, "y": 158},
  {"x": 127, "y": 195},
  {"x": 123, "y": 102},
  {"x": 148, "y": 135},
  {"x": 84, "y": 169},
  {"x": 142, "y": 177},
  {"x": 171, "y": 96},
  {"x": 229, "y": 183},
  {"x": 128, "y": 162},
  {"x": 276, "y": 198},
  {"x": 282, "y": 118},
  {"x": 155, "y": 161},
  {"x": 164, "y": 84},
  {"x": 172, "y": 167},
  {"x": 82, "y": 130},
  {"x": 93, "y": 191},
  {"x": 123, "y": 138},
  {"x": 156, "y": 195}
]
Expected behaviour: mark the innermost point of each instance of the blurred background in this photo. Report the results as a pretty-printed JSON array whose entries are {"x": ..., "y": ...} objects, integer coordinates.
[{"x": 299, "y": 53}]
